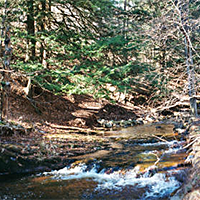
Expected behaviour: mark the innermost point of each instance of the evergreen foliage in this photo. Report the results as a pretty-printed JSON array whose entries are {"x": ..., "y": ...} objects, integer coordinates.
[{"x": 93, "y": 46}]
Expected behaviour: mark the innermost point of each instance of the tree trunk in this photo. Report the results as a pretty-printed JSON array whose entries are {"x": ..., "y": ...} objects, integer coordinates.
[
  {"x": 49, "y": 9},
  {"x": 191, "y": 77},
  {"x": 7, "y": 53},
  {"x": 189, "y": 58},
  {"x": 125, "y": 20},
  {"x": 43, "y": 53},
  {"x": 31, "y": 31}
]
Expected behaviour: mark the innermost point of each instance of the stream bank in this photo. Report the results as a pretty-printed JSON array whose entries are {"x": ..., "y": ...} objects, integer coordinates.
[
  {"x": 45, "y": 149},
  {"x": 70, "y": 128},
  {"x": 147, "y": 158},
  {"x": 67, "y": 126},
  {"x": 191, "y": 188}
]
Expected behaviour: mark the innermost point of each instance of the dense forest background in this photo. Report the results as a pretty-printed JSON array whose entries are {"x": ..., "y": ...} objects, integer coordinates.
[{"x": 141, "y": 52}]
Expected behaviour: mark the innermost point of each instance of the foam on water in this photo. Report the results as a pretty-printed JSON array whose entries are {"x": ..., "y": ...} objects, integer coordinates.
[
  {"x": 155, "y": 185},
  {"x": 159, "y": 184},
  {"x": 173, "y": 147},
  {"x": 168, "y": 143}
]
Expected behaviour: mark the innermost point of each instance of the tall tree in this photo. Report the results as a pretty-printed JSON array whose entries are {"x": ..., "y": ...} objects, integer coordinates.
[
  {"x": 7, "y": 53},
  {"x": 30, "y": 24},
  {"x": 182, "y": 7},
  {"x": 43, "y": 24}
]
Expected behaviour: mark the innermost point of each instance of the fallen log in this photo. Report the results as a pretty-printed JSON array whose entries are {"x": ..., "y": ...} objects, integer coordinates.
[{"x": 85, "y": 130}]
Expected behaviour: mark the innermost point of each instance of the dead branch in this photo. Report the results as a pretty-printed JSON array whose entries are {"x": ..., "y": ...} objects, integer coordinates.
[
  {"x": 191, "y": 143},
  {"x": 161, "y": 139}
]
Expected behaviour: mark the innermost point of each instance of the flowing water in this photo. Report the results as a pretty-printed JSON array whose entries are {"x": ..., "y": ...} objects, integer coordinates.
[{"x": 146, "y": 162}]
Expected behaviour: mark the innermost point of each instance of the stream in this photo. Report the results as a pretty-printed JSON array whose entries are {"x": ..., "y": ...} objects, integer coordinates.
[{"x": 145, "y": 162}]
